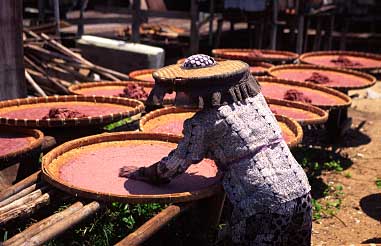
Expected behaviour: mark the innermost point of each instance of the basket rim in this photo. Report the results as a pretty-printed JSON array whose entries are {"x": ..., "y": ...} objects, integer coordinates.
[
  {"x": 295, "y": 127},
  {"x": 86, "y": 85},
  {"x": 34, "y": 145},
  {"x": 137, "y": 107},
  {"x": 347, "y": 99},
  {"x": 343, "y": 52},
  {"x": 173, "y": 110},
  {"x": 323, "y": 115},
  {"x": 133, "y": 74},
  {"x": 131, "y": 198},
  {"x": 291, "y": 56},
  {"x": 371, "y": 79}
]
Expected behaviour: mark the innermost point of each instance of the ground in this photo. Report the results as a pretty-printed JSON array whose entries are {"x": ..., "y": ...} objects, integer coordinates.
[{"x": 359, "y": 217}]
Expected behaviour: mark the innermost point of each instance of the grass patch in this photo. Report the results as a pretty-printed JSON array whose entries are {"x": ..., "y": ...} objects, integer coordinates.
[{"x": 330, "y": 204}]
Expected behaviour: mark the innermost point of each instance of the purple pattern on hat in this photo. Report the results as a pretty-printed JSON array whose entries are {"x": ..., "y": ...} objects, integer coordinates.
[{"x": 198, "y": 61}]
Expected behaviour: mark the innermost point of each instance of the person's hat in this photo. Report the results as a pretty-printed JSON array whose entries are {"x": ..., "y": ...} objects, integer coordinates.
[{"x": 201, "y": 81}]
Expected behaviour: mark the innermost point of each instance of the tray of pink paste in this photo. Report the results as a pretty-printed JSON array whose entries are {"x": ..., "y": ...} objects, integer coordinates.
[
  {"x": 171, "y": 120},
  {"x": 255, "y": 55},
  {"x": 314, "y": 94},
  {"x": 336, "y": 78},
  {"x": 138, "y": 90},
  {"x": 17, "y": 142},
  {"x": 343, "y": 59},
  {"x": 62, "y": 111},
  {"x": 304, "y": 114},
  {"x": 89, "y": 167},
  {"x": 143, "y": 75}
]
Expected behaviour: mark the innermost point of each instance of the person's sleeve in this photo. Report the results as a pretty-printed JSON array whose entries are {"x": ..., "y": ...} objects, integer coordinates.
[{"x": 190, "y": 150}]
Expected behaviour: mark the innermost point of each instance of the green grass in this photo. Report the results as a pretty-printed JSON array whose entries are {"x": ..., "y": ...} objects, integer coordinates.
[
  {"x": 378, "y": 183},
  {"x": 330, "y": 204}
]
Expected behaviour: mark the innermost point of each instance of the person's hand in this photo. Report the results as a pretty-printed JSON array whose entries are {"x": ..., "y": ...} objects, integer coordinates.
[{"x": 131, "y": 172}]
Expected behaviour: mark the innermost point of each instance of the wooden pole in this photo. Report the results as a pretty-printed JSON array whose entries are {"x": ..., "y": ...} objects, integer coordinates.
[
  {"x": 25, "y": 209},
  {"x": 32, "y": 179},
  {"x": 153, "y": 225},
  {"x": 12, "y": 80},
  {"x": 64, "y": 224},
  {"x": 20, "y": 194},
  {"x": 36, "y": 228}
]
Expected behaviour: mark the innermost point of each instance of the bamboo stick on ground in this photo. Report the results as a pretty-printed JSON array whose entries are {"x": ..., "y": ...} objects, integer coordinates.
[
  {"x": 26, "y": 209},
  {"x": 10, "y": 191},
  {"x": 38, "y": 227},
  {"x": 153, "y": 225},
  {"x": 64, "y": 224},
  {"x": 29, "y": 62},
  {"x": 23, "y": 200},
  {"x": 33, "y": 83},
  {"x": 20, "y": 194}
]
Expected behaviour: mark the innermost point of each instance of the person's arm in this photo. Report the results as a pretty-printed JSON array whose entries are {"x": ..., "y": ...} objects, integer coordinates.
[{"x": 190, "y": 150}]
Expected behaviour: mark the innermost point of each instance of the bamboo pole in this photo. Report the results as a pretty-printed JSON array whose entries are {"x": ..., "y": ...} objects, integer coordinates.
[
  {"x": 20, "y": 194},
  {"x": 38, "y": 227},
  {"x": 23, "y": 200},
  {"x": 28, "y": 61},
  {"x": 35, "y": 86},
  {"x": 62, "y": 225},
  {"x": 26, "y": 209},
  {"x": 153, "y": 225},
  {"x": 10, "y": 191}
]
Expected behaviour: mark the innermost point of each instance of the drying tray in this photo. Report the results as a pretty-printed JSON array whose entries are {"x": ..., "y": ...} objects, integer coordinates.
[
  {"x": 323, "y": 58},
  {"x": 259, "y": 68},
  {"x": 177, "y": 116},
  {"x": 304, "y": 114},
  {"x": 143, "y": 75},
  {"x": 243, "y": 54},
  {"x": 23, "y": 112},
  {"x": 61, "y": 159},
  {"x": 113, "y": 88},
  {"x": 343, "y": 79},
  {"x": 28, "y": 141},
  {"x": 330, "y": 98}
]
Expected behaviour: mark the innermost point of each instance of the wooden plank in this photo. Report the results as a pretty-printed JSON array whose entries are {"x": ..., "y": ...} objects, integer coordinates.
[
  {"x": 12, "y": 81},
  {"x": 153, "y": 225}
]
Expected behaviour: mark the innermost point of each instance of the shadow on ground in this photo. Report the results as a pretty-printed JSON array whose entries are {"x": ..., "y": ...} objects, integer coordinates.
[
  {"x": 371, "y": 206},
  {"x": 373, "y": 240}
]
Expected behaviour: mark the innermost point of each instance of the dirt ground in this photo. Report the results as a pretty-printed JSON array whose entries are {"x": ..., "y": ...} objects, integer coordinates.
[{"x": 358, "y": 221}]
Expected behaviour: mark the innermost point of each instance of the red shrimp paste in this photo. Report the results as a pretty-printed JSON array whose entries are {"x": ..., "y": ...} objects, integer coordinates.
[
  {"x": 63, "y": 113},
  {"x": 295, "y": 95}
]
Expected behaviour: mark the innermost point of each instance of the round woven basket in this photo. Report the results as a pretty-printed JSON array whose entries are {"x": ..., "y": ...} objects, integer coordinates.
[
  {"x": 33, "y": 146},
  {"x": 52, "y": 178},
  {"x": 243, "y": 54},
  {"x": 75, "y": 89},
  {"x": 321, "y": 116},
  {"x": 291, "y": 124},
  {"x": 261, "y": 72},
  {"x": 295, "y": 127},
  {"x": 371, "y": 80},
  {"x": 347, "y": 100},
  {"x": 133, "y": 107},
  {"x": 137, "y": 75},
  {"x": 304, "y": 58}
]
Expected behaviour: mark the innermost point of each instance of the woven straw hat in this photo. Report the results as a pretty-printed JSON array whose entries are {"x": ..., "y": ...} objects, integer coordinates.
[{"x": 201, "y": 81}]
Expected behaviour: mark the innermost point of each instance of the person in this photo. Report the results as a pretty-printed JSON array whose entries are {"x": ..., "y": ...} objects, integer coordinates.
[{"x": 266, "y": 186}]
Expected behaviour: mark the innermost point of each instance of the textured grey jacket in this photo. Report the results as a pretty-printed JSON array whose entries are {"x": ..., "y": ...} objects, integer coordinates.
[{"x": 245, "y": 141}]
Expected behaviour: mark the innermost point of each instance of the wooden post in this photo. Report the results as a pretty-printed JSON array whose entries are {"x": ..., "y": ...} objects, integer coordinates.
[
  {"x": 12, "y": 80},
  {"x": 194, "y": 35},
  {"x": 136, "y": 19}
]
